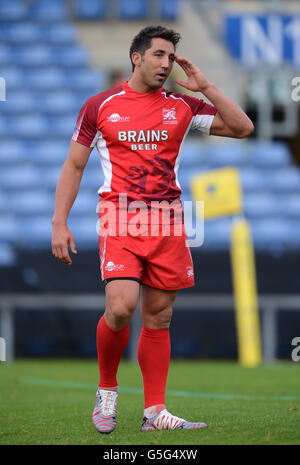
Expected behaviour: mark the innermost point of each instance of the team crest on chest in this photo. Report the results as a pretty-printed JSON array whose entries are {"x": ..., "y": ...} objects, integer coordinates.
[{"x": 169, "y": 116}]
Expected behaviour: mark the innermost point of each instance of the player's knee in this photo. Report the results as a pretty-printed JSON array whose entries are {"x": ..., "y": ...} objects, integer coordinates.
[{"x": 120, "y": 312}]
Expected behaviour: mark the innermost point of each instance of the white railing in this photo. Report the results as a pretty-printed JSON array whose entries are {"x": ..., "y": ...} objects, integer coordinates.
[{"x": 269, "y": 306}]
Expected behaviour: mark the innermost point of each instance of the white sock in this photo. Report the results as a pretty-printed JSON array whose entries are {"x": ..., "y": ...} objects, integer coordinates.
[
  {"x": 154, "y": 410},
  {"x": 114, "y": 388}
]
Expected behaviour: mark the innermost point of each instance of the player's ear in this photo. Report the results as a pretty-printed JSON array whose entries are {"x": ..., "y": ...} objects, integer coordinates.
[{"x": 136, "y": 59}]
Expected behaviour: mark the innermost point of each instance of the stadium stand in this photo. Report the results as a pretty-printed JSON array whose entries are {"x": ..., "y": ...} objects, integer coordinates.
[
  {"x": 132, "y": 9},
  {"x": 49, "y": 58},
  {"x": 48, "y": 79},
  {"x": 44, "y": 10},
  {"x": 228, "y": 154},
  {"x": 90, "y": 9},
  {"x": 169, "y": 9},
  {"x": 13, "y": 11}
]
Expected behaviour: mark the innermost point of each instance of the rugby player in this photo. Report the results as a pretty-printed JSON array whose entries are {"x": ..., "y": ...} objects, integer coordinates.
[{"x": 139, "y": 128}]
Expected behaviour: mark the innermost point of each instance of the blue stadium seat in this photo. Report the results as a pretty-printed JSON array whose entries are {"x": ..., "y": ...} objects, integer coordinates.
[
  {"x": 194, "y": 155},
  {"x": 30, "y": 127},
  {"x": 217, "y": 233},
  {"x": 5, "y": 55},
  {"x": 289, "y": 206},
  {"x": 7, "y": 255},
  {"x": 32, "y": 32},
  {"x": 20, "y": 102},
  {"x": 49, "y": 177},
  {"x": 84, "y": 230},
  {"x": 169, "y": 9},
  {"x": 35, "y": 231},
  {"x": 12, "y": 153},
  {"x": 283, "y": 180},
  {"x": 45, "y": 79},
  {"x": 61, "y": 126},
  {"x": 90, "y": 9},
  {"x": 32, "y": 202},
  {"x": 269, "y": 154},
  {"x": 49, "y": 154},
  {"x": 20, "y": 33},
  {"x": 9, "y": 228},
  {"x": 94, "y": 163},
  {"x": 275, "y": 234},
  {"x": 61, "y": 34},
  {"x": 92, "y": 178},
  {"x": 4, "y": 203},
  {"x": 3, "y": 126},
  {"x": 12, "y": 11},
  {"x": 252, "y": 180},
  {"x": 262, "y": 205},
  {"x": 73, "y": 56},
  {"x": 43, "y": 10},
  {"x": 20, "y": 178},
  {"x": 87, "y": 80},
  {"x": 60, "y": 103},
  {"x": 42, "y": 55},
  {"x": 227, "y": 154},
  {"x": 85, "y": 204},
  {"x": 133, "y": 9},
  {"x": 14, "y": 78},
  {"x": 37, "y": 55}
]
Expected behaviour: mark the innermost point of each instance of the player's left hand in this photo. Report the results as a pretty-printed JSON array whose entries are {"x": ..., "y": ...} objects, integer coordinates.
[{"x": 196, "y": 81}]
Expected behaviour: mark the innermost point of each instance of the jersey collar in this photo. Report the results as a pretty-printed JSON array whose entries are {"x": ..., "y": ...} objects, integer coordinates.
[{"x": 129, "y": 89}]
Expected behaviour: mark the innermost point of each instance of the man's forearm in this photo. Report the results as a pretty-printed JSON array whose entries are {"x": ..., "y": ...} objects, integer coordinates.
[
  {"x": 231, "y": 113},
  {"x": 66, "y": 192}
]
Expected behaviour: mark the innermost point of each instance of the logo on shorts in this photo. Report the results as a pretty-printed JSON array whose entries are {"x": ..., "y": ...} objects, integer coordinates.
[
  {"x": 169, "y": 116},
  {"x": 190, "y": 271},
  {"x": 110, "y": 266},
  {"x": 116, "y": 118}
]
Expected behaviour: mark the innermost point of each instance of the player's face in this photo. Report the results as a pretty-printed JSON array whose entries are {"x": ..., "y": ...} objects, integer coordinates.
[{"x": 157, "y": 63}]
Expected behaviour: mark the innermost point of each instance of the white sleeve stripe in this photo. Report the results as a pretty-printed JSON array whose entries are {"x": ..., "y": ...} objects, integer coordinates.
[
  {"x": 178, "y": 158},
  {"x": 202, "y": 123},
  {"x": 109, "y": 98},
  {"x": 78, "y": 127},
  {"x": 98, "y": 133},
  {"x": 180, "y": 98}
]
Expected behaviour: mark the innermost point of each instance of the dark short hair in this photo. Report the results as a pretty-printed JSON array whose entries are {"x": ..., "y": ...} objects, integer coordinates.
[{"x": 142, "y": 41}]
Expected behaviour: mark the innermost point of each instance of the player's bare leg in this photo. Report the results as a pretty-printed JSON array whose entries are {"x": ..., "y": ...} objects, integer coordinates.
[
  {"x": 112, "y": 339},
  {"x": 154, "y": 357},
  {"x": 156, "y": 307},
  {"x": 121, "y": 300}
]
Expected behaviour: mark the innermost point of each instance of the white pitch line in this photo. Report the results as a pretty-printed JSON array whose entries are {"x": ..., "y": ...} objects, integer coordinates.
[{"x": 130, "y": 390}]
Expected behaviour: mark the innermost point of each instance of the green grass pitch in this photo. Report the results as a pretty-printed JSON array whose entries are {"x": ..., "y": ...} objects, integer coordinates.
[{"x": 51, "y": 401}]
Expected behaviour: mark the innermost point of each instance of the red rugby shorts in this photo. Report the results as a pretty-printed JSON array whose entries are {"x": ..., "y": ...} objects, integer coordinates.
[{"x": 160, "y": 258}]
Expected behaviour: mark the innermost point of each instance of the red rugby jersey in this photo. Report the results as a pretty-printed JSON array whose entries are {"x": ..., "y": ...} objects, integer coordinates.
[{"x": 139, "y": 137}]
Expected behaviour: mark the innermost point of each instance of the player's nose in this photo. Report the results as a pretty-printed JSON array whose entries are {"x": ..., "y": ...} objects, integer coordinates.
[{"x": 165, "y": 63}]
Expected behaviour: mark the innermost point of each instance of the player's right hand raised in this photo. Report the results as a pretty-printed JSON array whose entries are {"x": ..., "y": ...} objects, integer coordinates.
[{"x": 61, "y": 238}]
